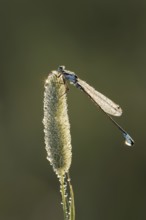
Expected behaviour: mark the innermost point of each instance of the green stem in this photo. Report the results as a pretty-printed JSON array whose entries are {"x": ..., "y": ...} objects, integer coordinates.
[
  {"x": 63, "y": 194},
  {"x": 72, "y": 204},
  {"x": 67, "y": 199}
]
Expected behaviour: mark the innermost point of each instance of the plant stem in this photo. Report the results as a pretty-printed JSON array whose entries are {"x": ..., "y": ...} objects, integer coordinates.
[
  {"x": 63, "y": 194},
  {"x": 72, "y": 203}
]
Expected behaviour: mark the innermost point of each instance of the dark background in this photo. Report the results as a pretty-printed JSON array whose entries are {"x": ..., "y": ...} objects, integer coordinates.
[{"x": 104, "y": 42}]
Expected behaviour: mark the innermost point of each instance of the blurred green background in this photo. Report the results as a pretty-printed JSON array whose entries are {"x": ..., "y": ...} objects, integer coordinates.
[{"x": 104, "y": 42}]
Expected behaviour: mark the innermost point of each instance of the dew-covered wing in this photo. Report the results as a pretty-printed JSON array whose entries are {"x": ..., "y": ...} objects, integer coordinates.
[{"x": 102, "y": 101}]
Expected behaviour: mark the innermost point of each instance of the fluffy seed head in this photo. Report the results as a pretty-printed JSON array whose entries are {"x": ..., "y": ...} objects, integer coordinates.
[{"x": 56, "y": 124}]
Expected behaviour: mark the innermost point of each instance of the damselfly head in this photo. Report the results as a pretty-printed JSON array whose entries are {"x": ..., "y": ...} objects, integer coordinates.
[{"x": 61, "y": 68}]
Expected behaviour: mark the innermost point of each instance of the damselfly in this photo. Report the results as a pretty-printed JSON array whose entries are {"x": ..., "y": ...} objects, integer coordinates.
[{"x": 104, "y": 103}]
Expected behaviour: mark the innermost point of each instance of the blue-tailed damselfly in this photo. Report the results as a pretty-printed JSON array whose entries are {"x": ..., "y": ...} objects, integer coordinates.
[{"x": 104, "y": 103}]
